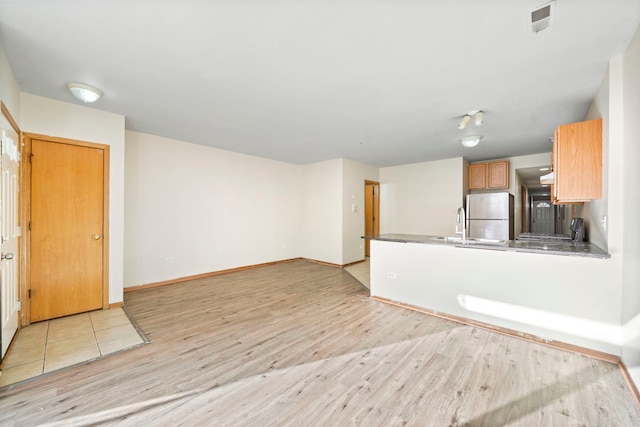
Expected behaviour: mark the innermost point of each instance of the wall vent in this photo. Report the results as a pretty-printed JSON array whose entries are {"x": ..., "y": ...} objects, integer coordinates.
[{"x": 542, "y": 17}]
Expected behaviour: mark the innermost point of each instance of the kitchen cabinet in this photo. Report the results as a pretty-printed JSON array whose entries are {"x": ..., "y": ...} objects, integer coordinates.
[
  {"x": 489, "y": 175},
  {"x": 576, "y": 162}
]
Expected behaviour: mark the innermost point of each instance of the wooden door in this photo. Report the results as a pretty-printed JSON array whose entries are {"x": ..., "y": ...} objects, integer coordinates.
[
  {"x": 9, "y": 234},
  {"x": 67, "y": 215},
  {"x": 371, "y": 212}
]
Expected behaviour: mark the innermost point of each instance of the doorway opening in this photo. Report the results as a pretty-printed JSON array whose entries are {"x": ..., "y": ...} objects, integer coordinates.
[{"x": 538, "y": 213}]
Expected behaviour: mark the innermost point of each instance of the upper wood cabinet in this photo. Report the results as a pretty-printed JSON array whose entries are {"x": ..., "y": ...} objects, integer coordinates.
[
  {"x": 489, "y": 175},
  {"x": 577, "y": 162},
  {"x": 498, "y": 174},
  {"x": 477, "y": 176}
]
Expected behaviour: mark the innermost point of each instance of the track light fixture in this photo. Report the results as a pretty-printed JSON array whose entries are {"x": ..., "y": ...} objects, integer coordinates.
[
  {"x": 464, "y": 121},
  {"x": 478, "y": 119}
]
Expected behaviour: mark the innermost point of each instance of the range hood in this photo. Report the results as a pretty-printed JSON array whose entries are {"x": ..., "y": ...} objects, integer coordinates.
[{"x": 547, "y": 179}]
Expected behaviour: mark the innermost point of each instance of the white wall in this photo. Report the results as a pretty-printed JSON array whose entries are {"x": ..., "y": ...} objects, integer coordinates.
[
  {"x": 571, "y": 302},
  {"x": 50, "y": 117},
  {"x": 227, "y": 210},
  {"x": 353, "y": 177},
  {"x": 9, "y": 89},
  {"x": 607, "y": 105},
  {"x": 192, "y": 209},
  {"x": 421, "y": 198},
  {"x": 630, "y": 198},
  {"x": 322, "y": 208}
]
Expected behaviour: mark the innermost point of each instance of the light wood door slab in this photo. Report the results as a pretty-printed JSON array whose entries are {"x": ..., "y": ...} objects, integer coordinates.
[{"x": 67, "y": 188}]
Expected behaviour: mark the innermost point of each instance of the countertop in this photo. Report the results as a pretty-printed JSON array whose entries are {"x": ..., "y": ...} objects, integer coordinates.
[{"x": 562, "y": 247}]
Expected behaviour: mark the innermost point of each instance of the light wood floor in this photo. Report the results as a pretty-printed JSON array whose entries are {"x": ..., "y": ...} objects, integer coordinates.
[{"x": 302, "y": 344}]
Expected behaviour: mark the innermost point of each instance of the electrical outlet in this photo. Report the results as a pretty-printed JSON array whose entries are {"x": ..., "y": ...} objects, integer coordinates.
[
  {"x": 169, "y": 259},
  {"x": 391, "y": 275}
]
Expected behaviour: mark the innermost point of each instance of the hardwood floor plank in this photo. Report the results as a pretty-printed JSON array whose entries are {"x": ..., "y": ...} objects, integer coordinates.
[{"x": 300, "y": 343}]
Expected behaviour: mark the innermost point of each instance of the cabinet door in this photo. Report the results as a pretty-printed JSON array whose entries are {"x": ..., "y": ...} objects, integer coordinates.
[
  {"x": 478, "y": 176},
  {"x": 578, "y": 162},
  {"x": 498, "y": 174}
]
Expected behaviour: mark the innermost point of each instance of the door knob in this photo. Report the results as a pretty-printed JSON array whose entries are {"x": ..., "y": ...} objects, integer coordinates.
[
  {"x": 6, "y": 256},
  {"x": 96, "y": 236}
]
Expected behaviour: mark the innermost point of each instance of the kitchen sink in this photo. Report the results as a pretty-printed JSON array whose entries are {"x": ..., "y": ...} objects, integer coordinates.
[
  {"x": 471, "y": 240},
  {"x": 489, "y": 241}
]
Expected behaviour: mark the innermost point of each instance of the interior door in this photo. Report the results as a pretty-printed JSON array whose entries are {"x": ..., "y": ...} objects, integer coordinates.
[
  {"x": 542, "y": 218},
  {"x": 67, "y": 198},
  {"x": 371, "y": 212},
  {"x": 9, "y": 235}
]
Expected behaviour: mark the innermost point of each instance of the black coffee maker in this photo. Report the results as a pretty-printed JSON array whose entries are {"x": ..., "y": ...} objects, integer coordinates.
[{"x": 577, "y": 229}]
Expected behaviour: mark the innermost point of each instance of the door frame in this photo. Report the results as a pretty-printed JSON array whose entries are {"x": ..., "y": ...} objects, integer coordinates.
[
  {"x": 26, "y": 209},
  {"x": 524, "y": 226}
]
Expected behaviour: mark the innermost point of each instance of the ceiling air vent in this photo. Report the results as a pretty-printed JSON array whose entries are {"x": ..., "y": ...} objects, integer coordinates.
[{"x": 542, "y": 17}]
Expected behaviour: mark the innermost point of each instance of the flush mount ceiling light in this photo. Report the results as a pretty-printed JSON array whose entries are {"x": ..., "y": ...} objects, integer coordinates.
[
  {"x": 470, "y": 141},
  {"x": 478, "y": 119},
  {"x": 84, "y": 93}
]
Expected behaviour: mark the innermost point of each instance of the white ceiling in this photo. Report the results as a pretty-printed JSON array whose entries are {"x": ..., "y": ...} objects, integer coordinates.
[{"x": 380, "y": 82}]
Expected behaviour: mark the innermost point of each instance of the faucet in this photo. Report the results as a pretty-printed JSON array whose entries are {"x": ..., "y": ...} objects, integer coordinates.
[{"x": 462, "y": 219}]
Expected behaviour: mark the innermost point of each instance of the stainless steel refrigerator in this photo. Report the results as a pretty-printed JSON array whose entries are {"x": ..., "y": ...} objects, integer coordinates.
[{"x": 490, "y": 216}]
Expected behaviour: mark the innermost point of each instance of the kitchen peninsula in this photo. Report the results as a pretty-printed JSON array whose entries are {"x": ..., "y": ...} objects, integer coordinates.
[
  {"x": 550, "y": 291},
  {"x": 568, "y": 248}
]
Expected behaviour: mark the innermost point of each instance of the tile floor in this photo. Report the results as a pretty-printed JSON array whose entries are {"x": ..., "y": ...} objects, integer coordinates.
[
  {"x": 360, "y": 272},
  {"x": 54, "y": 344}
]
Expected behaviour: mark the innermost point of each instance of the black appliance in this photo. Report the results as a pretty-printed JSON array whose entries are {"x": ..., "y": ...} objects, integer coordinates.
[{"x": 577, "y": 229}]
